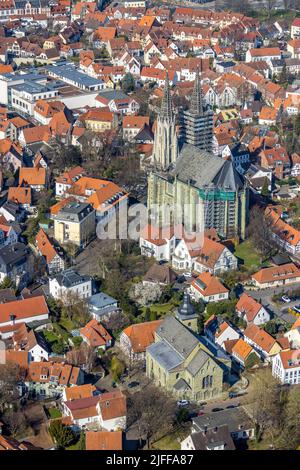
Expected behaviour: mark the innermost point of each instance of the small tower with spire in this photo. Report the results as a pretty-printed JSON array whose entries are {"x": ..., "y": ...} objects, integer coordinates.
[
  {"x": 186, "y": 314},
  {"x": 197, "y": 122},
  {"x": 165, "y": 149}
]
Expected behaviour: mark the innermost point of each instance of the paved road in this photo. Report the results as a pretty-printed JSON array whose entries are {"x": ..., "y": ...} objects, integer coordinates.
[{"x": 278, "y": 309}]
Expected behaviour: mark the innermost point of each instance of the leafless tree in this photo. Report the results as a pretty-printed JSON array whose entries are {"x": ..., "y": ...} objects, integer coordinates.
[
  {"x": 83, "y": 355},
  {"x": 261, "y": 229},
  {"x": 10, "y": 374},
  {"x": 15, "y": 421},
  {"x": 264, "y": 403},
  {"x": 152, "y": 412},
  {"x": 75, "y": 308}
]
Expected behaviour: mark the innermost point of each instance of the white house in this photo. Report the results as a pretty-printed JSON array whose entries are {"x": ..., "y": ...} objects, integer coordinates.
[
  {"x": 286, "y": 366},
  {"x": 225, "y": 332},
  {"x": 251, "y": 311},
  {"x": 32, "y": 342},
  {"x": 293, "y": 335},
  {"x": 156, "y": 242},
  {"x": 68, "y": 283},
  {"x": 208, "y": 288},
  {"x": 106, "y": 411},
  {"x": 264, "y": 53}
]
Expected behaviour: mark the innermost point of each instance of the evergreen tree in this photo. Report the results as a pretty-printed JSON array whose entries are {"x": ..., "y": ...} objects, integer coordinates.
[
  {"x": 153, "y": 315},
  {"x": 128, "y": 83},
  {"x": 147, "y": 314},
  {"x": 61, "y": 434},
  {"x": 265, "y": 188}
]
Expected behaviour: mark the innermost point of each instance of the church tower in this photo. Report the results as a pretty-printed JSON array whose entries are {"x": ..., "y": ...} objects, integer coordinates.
[
  {"x": 165, "y": 149},
  {"x": 197, "y": 122}
]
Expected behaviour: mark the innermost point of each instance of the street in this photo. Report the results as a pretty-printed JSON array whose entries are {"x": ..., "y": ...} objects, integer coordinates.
[{"x": 280, "y": 310}]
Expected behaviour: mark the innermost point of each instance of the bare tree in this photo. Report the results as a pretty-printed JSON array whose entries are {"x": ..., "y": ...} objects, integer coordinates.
[
  {"x": 83, "y": 355},
  {"x": 16, "y": 422},
  {"x": 152, "y": 412},
  {"x": 10, "y": 374},
  {"x": 264, "y": 403},
  {"x": 261, "y": 231},
  {"x": 290, "y": 436},
  {"x": 75, "y": 308}
]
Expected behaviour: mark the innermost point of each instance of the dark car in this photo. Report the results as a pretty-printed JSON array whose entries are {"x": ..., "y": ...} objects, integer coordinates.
[
  {"x": 133, "y": 384},
  {"x": 216, "y": 409}
]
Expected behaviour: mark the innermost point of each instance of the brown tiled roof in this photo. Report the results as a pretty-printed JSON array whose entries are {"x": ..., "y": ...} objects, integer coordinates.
[
  {"x": 103, "y": 440},
  {"x": 141, "y": 335}
]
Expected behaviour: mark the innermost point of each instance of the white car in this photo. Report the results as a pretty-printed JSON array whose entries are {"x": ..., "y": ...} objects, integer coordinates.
[
  {"x": 183, "y": 403},
  {"x": 296, "y": 308},
  {"x": 285, "y": 299},
  {"x": 187, "y": 274}
]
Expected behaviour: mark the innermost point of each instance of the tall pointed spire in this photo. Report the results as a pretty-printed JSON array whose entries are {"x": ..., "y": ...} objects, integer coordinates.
[
  {"x": 166, "y": 105},
  {"x": 196, "y": 106}
]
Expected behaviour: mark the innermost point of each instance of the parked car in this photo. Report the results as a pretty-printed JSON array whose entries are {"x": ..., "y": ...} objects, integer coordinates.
[
  {"x": 133, "y": 384},
  {"x": 297, "y": 308},
  {"x": 187, "y": 274},
  {"x": 183, "y": 403},
  {"x": 285, "y": 299}
]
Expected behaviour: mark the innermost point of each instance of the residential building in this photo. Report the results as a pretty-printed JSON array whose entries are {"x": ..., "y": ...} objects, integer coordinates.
[
  {"x": 286, "y": 366},
  {"x": 285, "y": 274},
  {"x": 225, "y": 332},
  {"x": 35, "y": 177},
  {"x": 244, "y": 354},
  {"x": 239, "y": 423},
  {"x": 293, "y": 335},
  {"x": 106, "y": 411},
  {"x": 32, "y": 342},
  {"x": 295, "y": 29},
  {"x": 15, "y": 263},
  {"x": 102, "y": 306},
  {"x": 75, "y": 223},
  {"x": 135, "y": 339},
  {"x": 263, "y": 343},
  {"x": 251, "y": 311},
  {"x": 157, "y": 242},
  {"x": 132, "y": 125},
  {"x": 69, "y": 283},
  {"x": 216, "y": 438},
  {"x": 54, "y": 261},
  {"x": 14, "y": 312},
  {"x": 177, "y": 362},
  {"x": 103, "y": 440},
  {"x": 208, "y": 288},
  {"x": 66, "y": 180},
  {"x": 159, "y": 274},
  {"x": 263, "y": 53},
  {"x": 95, "y": 335},
  {"x": 49, "y": 379}
]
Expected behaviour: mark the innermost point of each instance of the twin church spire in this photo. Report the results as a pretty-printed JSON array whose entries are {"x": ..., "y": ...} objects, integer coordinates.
[{"x": 165, "y": 150}]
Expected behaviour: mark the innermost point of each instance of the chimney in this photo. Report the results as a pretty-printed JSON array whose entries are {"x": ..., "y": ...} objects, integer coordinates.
[{"x": 12, "y": 318}]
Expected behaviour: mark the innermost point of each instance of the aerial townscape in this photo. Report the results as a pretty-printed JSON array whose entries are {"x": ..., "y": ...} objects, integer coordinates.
[{"x": 149, "y": 225}]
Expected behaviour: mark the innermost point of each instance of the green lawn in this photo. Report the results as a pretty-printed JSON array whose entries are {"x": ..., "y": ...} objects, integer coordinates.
[
  {"x": 66, "y": 323},
  {"x": 161, "y": 309},
  {"x": 246, "y": 252},
  {"x": 54, "y": 413},
  {"x": 50, "y": 336},
  {"x": 172, "y": 441}
]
